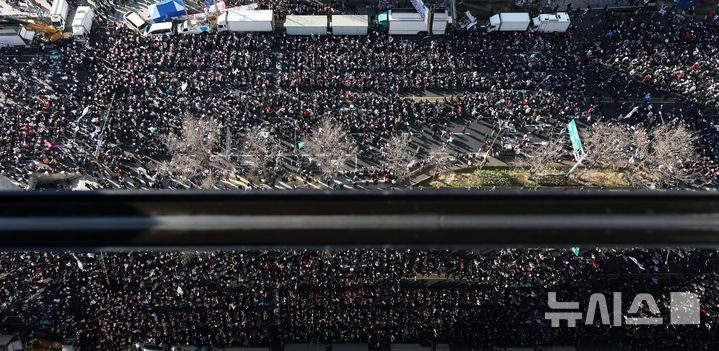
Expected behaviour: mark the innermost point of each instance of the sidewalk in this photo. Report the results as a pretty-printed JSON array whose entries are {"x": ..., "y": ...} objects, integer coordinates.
[{"x": 428, "y": 171}]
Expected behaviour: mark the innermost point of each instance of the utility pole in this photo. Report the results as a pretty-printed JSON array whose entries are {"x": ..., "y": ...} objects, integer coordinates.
[
  {"x": 102, "y": 131},
  {"x": 104, "y": 267},
  {"x": 228, "y": 141},
  {"x": 491, "y": 146}
]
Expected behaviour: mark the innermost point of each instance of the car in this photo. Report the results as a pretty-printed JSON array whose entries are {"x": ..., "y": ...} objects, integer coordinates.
[
  {"x": 158, "y": 29},
  {"x": 193, "y": 26},
  {"x": 135, "y": 22}
]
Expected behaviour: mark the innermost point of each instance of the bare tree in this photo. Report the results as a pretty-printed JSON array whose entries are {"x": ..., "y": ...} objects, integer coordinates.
[
  {"x": 670, "y": 155},
  {"x": 542, "y": 158},
  {"x": 607, "y": 146},
  {"x": 330, "y": 147},
  {"x": 661, "y": 156},
  {"x": 635, "y": 157},
  {"x": 440, "y": 157},
  {"x": 398, "y": 154},
  {"x": 262, "y": 154},
  {"x": 192, "y": 152}
]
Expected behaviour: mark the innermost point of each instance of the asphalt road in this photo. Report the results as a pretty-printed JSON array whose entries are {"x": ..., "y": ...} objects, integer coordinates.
[{"x": 469, "y": 135}]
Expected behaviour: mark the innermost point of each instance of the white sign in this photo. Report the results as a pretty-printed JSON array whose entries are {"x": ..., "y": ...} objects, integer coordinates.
[
  {"x": 684, "y": 310},
  {"x": 579, "y": 154}
]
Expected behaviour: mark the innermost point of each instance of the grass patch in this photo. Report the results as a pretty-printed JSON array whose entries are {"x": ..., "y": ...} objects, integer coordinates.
[{"x": 506, "y": 177}]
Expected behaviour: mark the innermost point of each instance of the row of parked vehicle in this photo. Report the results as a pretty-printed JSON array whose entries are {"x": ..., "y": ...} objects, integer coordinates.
[
  {"x": 233, "y": 21},
  {"x": 192, "y": 26}
]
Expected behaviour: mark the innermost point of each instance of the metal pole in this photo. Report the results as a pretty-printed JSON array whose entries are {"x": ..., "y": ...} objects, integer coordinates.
[
  {"x": 107, "y": 118},
  {"x": 573, "y": 168},
  {"x": 228, "y": 142},
  {"x": 481, "y": 165},
  {"x": 104, "y": 267},
  {"x": 77, "y": 127}
]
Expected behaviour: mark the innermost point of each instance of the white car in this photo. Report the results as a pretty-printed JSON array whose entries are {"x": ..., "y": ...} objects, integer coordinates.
[
  {"x": 193, "y": 27},
  {"x": 136, "y": 22},
  {"x": 158, "y": 29}
]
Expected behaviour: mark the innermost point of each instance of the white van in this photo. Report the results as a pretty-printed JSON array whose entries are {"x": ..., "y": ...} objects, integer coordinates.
[
  {"x": 58, "y": 13},
  {"x": 135, "y": 21},
  {"x": 157, "y": 29}
]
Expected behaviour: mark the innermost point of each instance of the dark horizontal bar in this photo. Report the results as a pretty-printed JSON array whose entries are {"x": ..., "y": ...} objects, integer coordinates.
[
  {"x": 419, "y": 223},
  {"x": 359, "y": 219},
  {"x": 156, "y": 203}
]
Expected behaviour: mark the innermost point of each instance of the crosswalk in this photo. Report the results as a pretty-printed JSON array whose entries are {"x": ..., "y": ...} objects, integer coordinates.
[{"x": 238, "y": 181}]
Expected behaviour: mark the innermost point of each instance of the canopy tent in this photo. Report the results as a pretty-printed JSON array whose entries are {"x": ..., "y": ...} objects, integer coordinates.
[{"x": 166, "y": 10}]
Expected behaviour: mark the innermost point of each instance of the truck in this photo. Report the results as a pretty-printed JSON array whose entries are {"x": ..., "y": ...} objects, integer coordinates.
[
  {"x": 439, "y": 22},
  {"x": 193, "y": 26},
  {"x": 82, "y": 23},
  {"x": 58, "y": 13},
  {"x": 15, "y": 36},
  {"x": 468, "y": 23},
  {"x": 306, "y": 25},
  {"x": 546, "y": 23},
  {"x": 350, "y": 24},
  {"x": 508, "y": 22},
  {"x": 407, "y": 22},
  {"x": 246, "y": 21}
]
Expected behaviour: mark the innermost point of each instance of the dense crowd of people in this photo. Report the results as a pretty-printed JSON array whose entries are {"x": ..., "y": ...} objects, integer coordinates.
[
  {"x": 241, "y": 298},
  {"x": 101, "y": 108}
]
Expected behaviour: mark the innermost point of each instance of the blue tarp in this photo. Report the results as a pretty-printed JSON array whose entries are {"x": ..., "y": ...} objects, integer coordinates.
[
  {"x": 686, "y": 3},
  {"x": 166, "y": 10}
]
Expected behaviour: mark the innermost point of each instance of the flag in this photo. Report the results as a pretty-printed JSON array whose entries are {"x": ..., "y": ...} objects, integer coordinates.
[
  {"x": 575, "y": 250},
  {"x": 301, "y": 144},
  {"x": 636, "y": 262},
  {"x": 47, "y": 144},
  {"x": 79, "y": 264}
]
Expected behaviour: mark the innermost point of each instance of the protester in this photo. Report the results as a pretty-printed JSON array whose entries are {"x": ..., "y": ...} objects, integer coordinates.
[
  {"x": 249, "y": 298},
  {"x": 54, "y": 107}
]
